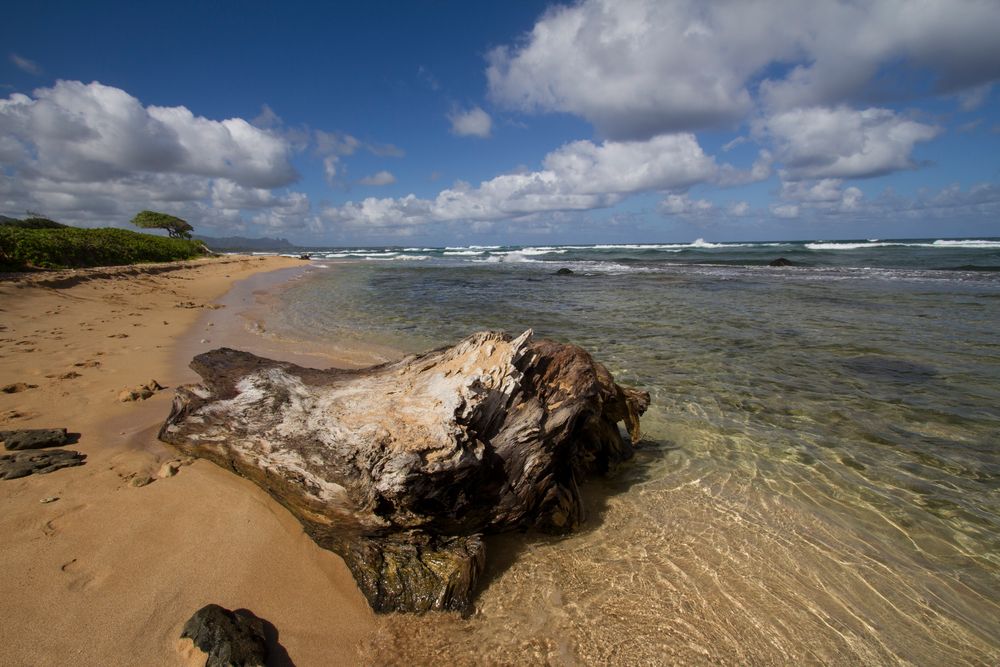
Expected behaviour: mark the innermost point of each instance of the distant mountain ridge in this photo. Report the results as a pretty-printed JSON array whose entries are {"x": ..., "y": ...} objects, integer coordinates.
[{"x": 223, "y": 243}]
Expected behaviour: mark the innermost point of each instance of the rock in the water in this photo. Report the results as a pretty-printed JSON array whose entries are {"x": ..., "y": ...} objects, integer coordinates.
[
  {"x": 563, "y": 272},
  {"x": 228, "y": 638},
  {"x": 22, "y": 464},
  {"x": 33, "y": 438},
  {"x": 400, "y": 468},
  {"x": 781, "y": 261}
]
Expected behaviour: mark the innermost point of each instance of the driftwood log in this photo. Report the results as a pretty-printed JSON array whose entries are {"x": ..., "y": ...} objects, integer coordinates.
[{"x": 401, "y": 468}]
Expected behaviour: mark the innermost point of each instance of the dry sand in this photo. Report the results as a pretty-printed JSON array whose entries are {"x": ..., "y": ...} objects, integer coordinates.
[{"x": 108, "y": 573}]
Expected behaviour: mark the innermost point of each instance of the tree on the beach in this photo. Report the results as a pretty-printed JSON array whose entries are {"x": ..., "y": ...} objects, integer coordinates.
[{"x": 176, "y": 228}]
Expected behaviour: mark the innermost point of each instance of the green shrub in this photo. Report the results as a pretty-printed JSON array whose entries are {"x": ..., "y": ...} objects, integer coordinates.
[
  {"x": 73, "y": 247},
  {"x": 33, "y": 223}
]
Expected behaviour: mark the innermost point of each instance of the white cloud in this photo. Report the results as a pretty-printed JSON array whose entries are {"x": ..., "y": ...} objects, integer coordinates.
[
  {"x": 472, "y": 123},
  {"x": 380, "y": 178},
  {"x": 93, "y": 154},
  {"x": 333, "y": 146},
  {"x": 843, "y": 143},
  {"x": 739, "y": 209},
  {"x": 25, "y": 65},
  {"x": 330, "y": 169},
  {"x": 974, "y": 98},
  {"x": 637, "y": 68},
  {"x": 683, "y": 205},
  {"x": 578, "y": 176},
  {"x": 827, "y": 193},
  {"x": 92, "y": 132},
  {"x": 786, "y": 211}
]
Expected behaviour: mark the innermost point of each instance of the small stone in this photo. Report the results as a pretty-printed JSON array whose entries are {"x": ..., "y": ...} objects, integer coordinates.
[
  {"x": 17, "y": 387},
  {"x": 50, "y": 499},
  {"x": 204, "y": 340},
  {"x": 72, "y": 375},
  {"x": 168, "y": 469},
  {"x": 141, "y": 480}
]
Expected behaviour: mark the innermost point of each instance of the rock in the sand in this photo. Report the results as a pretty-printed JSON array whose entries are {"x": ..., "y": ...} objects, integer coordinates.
[
  {"x": 228, "y": 638},
  {"x": 17, "y": 387},
  {"x": 401, "y": 468},
  {"x": 22, "y": 464},
  {"x": 140, "y": 392},
  {"x": 34, "y": 438}
]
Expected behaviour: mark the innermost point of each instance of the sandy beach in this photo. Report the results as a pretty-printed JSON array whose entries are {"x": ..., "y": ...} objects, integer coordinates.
[{"x": 109, "y": 572}]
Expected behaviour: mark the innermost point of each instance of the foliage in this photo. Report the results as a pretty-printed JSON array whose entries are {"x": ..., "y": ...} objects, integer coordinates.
[
  {"x": 175, "y": 227},
  {"x": 73, "y": 247},
  {"x": 32, "y": 223}
]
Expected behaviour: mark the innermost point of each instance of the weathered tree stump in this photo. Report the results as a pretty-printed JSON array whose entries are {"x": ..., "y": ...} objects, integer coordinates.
[{"x": 400, "y": 468}]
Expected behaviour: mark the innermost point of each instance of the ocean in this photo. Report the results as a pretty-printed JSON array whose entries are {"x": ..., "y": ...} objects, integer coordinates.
[{"x": 819, "y": 480}]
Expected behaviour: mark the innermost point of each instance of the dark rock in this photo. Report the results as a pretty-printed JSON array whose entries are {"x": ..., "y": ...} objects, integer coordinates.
[
  {"x": 400, "y": 468},
  {"x": 781, "y": 261},
  {"x": 305, "y": 255},
  {"x": 17, "y": 387},
  {"x": 563, "y": 272},
  {"x": 34, "y": 438},
  {"x": 22, "y": 464},
  {"x": 228, "y": 638}
]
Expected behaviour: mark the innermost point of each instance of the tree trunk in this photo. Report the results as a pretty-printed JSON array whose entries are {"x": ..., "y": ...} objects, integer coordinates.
[{"x": 400, "y": 468}]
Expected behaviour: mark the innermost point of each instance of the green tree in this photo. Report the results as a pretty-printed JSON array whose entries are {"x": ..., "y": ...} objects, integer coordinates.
[{"x": 176, "y": 228}]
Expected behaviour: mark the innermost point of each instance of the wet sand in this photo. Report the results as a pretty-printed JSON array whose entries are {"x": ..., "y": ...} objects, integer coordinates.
[{"x": 109, "y": 572}]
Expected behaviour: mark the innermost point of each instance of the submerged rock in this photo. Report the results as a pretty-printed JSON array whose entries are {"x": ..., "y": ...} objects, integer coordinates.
[
  {"x": 563, "y": 272},
  {"x": 400, "y": 468},
  {"x": 781, "y": 261},
  {"x": 228, "y": 638}
]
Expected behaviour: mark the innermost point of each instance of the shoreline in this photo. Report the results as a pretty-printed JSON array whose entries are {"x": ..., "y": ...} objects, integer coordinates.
[{"x": 109, "y": 572}]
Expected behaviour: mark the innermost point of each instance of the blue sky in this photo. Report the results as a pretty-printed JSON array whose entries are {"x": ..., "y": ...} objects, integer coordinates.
[{"x": 456, "y": 122}]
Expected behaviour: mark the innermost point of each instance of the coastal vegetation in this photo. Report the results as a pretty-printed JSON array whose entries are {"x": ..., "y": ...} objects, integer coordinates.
[
  {"x": 175, "y": 227},
  {"x": 39, "y": 243}
]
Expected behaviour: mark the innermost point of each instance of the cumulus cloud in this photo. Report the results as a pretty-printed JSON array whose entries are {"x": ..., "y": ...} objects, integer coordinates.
[
  {"x": 638, "y": 68},
  {"x": 738, "y": 209},
  {"x": 578, "y": 176},
  {"x": 827, "y": 193},
  {"x": 683, "y": 205},
  {"x": 92, "y": 132},
  {"x": 379, "y": 178},
  {"x": 25, "y": 65},
  {"x": 786, "y": 211},
  {"x": 843, "y": 143},
  {"x": 471, "y": 123},
  {"x": 333, "y": 146},
  {"x": 93, "y": 153}
]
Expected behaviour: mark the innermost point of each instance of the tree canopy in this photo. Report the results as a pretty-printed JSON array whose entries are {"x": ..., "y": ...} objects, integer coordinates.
[{"x": 176, "y": 228}]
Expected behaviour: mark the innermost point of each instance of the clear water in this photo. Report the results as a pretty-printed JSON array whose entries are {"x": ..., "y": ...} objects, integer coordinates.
[{"x": 820, "y": 478}]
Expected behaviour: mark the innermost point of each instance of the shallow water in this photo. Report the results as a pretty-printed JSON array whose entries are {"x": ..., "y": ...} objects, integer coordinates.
[{"x": 818, "y": 484}]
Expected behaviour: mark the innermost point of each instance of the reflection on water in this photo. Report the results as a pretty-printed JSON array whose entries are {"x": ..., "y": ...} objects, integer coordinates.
[{"x": 822, "y": 487}]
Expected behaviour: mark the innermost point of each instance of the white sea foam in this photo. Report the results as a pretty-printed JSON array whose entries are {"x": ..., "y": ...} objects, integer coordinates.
[
  {"x": 469, "y": 253},
  {"x": 959, "y": 243},
  {"x": 542, "y": 250},
  {"x": 853, "y": 246},
  {"x": 941, "y": 243}
]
